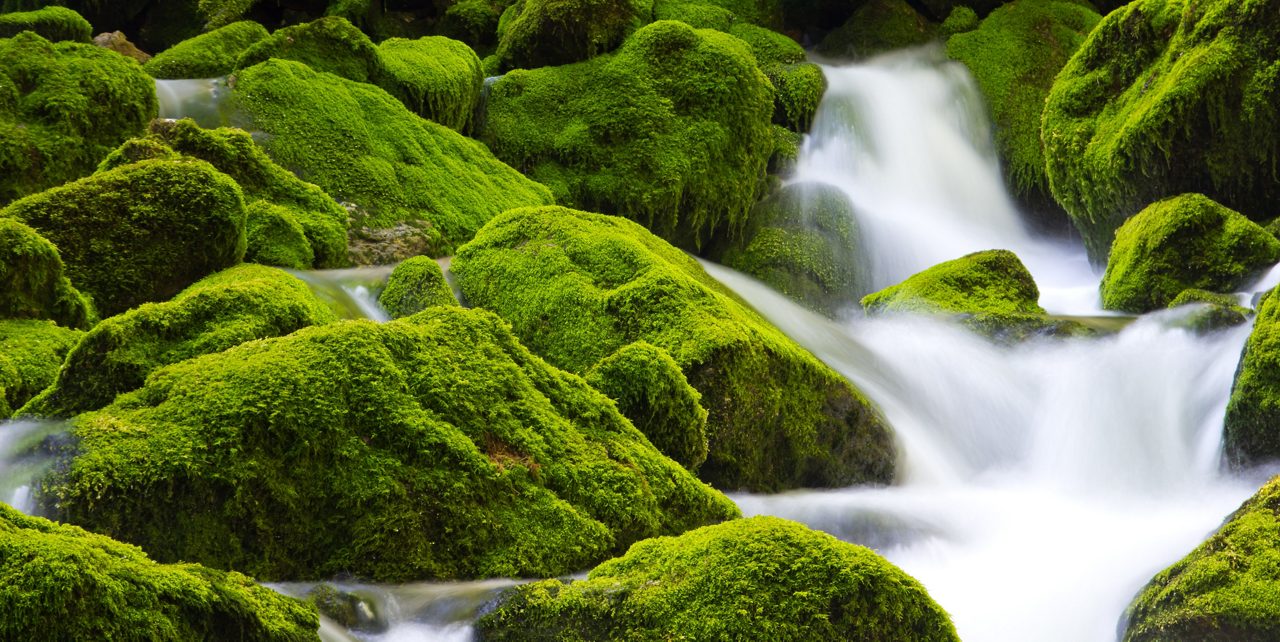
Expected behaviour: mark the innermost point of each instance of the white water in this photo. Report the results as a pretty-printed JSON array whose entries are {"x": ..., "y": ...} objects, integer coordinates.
[
  {"x": 23, "y": 458},
  {"x": 351, "y": 292},
  {"x": 201, "y": 99}
]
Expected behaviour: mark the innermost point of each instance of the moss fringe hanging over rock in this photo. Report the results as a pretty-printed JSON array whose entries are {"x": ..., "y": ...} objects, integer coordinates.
[
  {"x": 671, "y": 131},
  {"x": 540, "y": 33},
  {"x": 52, "y": 23},
  {"x": 798, "y": 85},
  {"x": 238, "y": 305},
  {"x": 415, "y": 285},
  {"x": 71, "y": 585},
  {"x": 1251, "y": 431},
  {"x": 434, "y": 447},
  {"x": 761, "y": 578},
  {"x": 63, "y": 107},
  {"x": 1167, "y": 97},
  {"x": 876, "y": 27},
  {"x": 30, "y": 354},
  {"x": 1187, "y": 241},
  {"x": 578, "y": 286},
  {"x": 33, "y": 282},
  {"x": 207, "y": 55}
]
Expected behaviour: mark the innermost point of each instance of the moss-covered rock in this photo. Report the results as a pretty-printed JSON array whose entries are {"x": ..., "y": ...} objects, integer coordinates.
[
  {"x": 330, "y": 44},
  {"x": 116, "y": 41},
  {"x": 1183, "y": 242},
  {"x": 30, "y": 354},
  {"x": 207, "y": 55},
  {"x": 1167, "y": 97},
  {"x": 539, "y": 33},
  {"x": 875, "y": 27},
  {"x": 798, "y": 85},
  {"x": 275, "y": 237},
  {"x": 415, "y": 285},
  {"x": 576, "y": 287},
  {"x": 67, "y": 584},
  {"x": 430, "y": 447},
  {"x": 474, "y": 22},
  {"x": 51, "y": 23},
  {"x": 1211, "y": 311},
  {"x": 64, "y": 106},
  {"x": 1227, "y": 589},
  {"x": 671, "y": 131},
  {"x": 651, "y": 391},
  {"x": 363, "y": 146},
  {"x": 436, "y": 77},
  {"x": 33, "y": 282},
  {"x": 761, "y": 578},
  {"x": 960, "y": 20},
  {"x": 1251, "y": 430},
  {"x": 698, "y": 15}
]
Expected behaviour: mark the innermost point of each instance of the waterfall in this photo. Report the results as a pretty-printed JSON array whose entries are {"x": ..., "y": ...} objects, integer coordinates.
[
  {"x": 203, "y": 100},
  {"x": 351, "y": 292}
]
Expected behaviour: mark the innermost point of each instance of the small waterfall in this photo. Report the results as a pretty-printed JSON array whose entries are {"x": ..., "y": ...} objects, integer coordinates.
[
  {"x": 26, "y": 453},
  {"x": 204, "y": 100},
  {"x": 351, "y": 292}
]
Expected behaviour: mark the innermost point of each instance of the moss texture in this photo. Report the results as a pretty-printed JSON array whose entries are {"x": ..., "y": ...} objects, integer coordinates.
[
  {"x": 361, "y": 145},
  {"x": 237, "y": 305},
  {"x": 1183, "y": 242},
  {"x": 1212, "y": 311},
  {"x": 275, "y": 237},
  {"x": 762, "y": 578},
  {"x": 437, "y": 78},
  {"x": 1250, "y": 434},
  {"x": 64, "y": 106},
  {"x": 30, "y": 354},
  {"x": 429, "y": 447},
  {"x": 1227, "y": 589},
  {"x": 671, "y": 131},
  {"x": 557, "y": 32},
  {"x": 33, "y": 281},
  {"x": 68, "y": 584},
  {"x": 875, "y": 27},
  {"x": 207, "y": 55},
  {"x": 798, "y": 85},
  {"x": 140, "y": 232},
  {"x": 1167, "y": 97},
  {"x": 52, "y": 23},
  {"x": 330, "y": 44},
  {"x": 415, "y": 285},
  {"x": 576, "y": 287},
  {"x": 695, "y": 14}
]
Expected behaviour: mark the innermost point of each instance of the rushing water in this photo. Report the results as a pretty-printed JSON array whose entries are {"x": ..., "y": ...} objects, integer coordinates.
[
  {"x": 351, "y": 292},
  {"x": 204, "y": 100}
]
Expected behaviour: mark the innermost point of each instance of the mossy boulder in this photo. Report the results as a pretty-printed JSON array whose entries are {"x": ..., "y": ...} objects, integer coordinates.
[
  {"x": 330, "y": 44},
  {"x": 33, "y": 281},
  {"x": 434, "y": 447},
  {"x": 363, "y": 146},
  {"x": 67, "y": 584},
  {"x": 1210, "y": 311},
  {"x": 275, "y": 237},
  {"x": 1227, "y": 589},
  {"x": 1183, "y": 242},
  {"x": 52, "y": 23},
  {"x": 474, "y": 22},
  {"x": 699, "y": 15},
  {"x": 437, "y": 78},
  {"x": 761, "y": 578},
  {"x": 672, "y": 130},
  {"x": 63, "y": 107},
  {"x": 576, "y": 287},
  {"x": 30, "y": 354},
  {"x": 1251, "y": 431},
  {"x": 798, "y": 85},
  {"x": 207, "y": 55},
  {"x": 651, "y": 391},
  {"x": 237, "y": 305},
  {"x": 540, "y": 33},
  {"x": 116, "y": 41},
  {"x": 1167, "y": 97},
  {"x": 140, "y": 232},
  {"x": 875, "y": 27},
  {"x": 416, "y": 284}
]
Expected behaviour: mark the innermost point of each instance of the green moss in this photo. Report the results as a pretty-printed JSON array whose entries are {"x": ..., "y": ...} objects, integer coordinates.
[
  {"x": 207, "y": 55},
  {"x": 695, "y": 14},
  {"x": 875, "y": 27},
  {"x": 1211, "y": 311},
  {"x": 798, "y": 85},
  {"x": 415, "y": 285},
  {"x": 1187, "y": 241},
  {"x": 1014, "y": 56},
  {"x": 33, "y": 282},
  {"x": 51, "y": 23},
  {"x": 140, "y": 232},
  {"x": 363, "y": 146},
  {"x": 540, "y": 33},
  {"x": 576, "y": 287},
  {"x": 275, "y": 237},
  {"x": 63, "y": 106},
  {"x": 429, "y": 447},
  {"x": 960, "y": 20},
  {"x": 435, "y": 77},
  {"x": 1250, "y": 434},
  {"x": 1227, "y": 589},
  {"x": 221, "y": 13},
  {"x": 786, "y": 151},
  {"x": 671, "y": 131},
  {"x": 1167, "y": 97},
  {"x": 330, "y": 44},
  {"x": 68, "y": 584},
  {"x": 474, "y": 22},
  {"x": 651, "y": 391},
  {"x": 762, "y": 578},
  {"x": 30, "y": 354}
]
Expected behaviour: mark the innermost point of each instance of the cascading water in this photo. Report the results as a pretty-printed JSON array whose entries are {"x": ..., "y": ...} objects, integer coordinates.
[
  {"x": 351, "y": 292},
  {"x": 203, "y": 100}
]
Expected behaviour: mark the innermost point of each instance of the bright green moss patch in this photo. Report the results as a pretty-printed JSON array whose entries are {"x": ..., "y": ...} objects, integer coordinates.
[
  {"x": 798, "y": 85},
  {"x": 30, "y": 354},
  {"x": 275, "y": 237},
  {"x": 363, "y": 146},
  {"x": 1228, "y": 589},
  {"x": 330, "y": 44},
  {"x": 430, "y": 447},
  {"x": 762, "y": 578},
  {"x": 671, "y": 131},
  {"x": 576, "y": 287},
  {"x": 416, "y": 284},
  {"x": 1251, "y": 432},
  {"x": 33, "y": 282},
  {"x": 1167, "y": 97},
  {"x": 695, "y": 14},
  {"x": 1211, "y": 311},
  {"x": 557, "y": 32},
  {"x": 207, "y": 55},
  {"x": 435, "y": 77},
  {"x": 1183, "y": 242},
  {"x": 64, "y": 106},
  {"x": 876, "y": 27},
  {"x": 68, "y": 584},
  {"x": 51, "y": 23},
  {"x": 959, "y": 20}
]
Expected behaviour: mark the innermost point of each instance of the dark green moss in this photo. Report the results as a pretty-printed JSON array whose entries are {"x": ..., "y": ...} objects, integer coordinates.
[
  {"x": 30, "y": 354},
  {"x": 67, "y": 584},
  {"x": 474, "y": 22},
  {"x": 577, "y": 286},
  {"x": 1211, "y": 311},
  {"x": 876, "y": 27},
  {"x": 33, "y": 282},
  {"x": 415, "y": 285},
  {"x": 1187, "y": 241},
  {"x": 671, "y": 131},
  {"x": 959, "y": 20},
  {"x": 429, "y": 447},
  {"x": 435, "y": 77},
  {"x": 207, "y": 55},
  {"x": 1250, "y": 434},
  {"x": 557, "y": 32},
  {"x": 1227, "y": 590},
  {"x": 63, "y": 106},
  {"x": 762, "y": 578},
  {"x": 798, "y": 85},
  {"x": 140, "y": 232},
  {"x": 52, "y": 23},
  {"x": 1167, "y": 97}
]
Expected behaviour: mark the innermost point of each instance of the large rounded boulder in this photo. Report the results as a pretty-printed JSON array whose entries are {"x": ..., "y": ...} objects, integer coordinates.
[
  {"x": 31, "y": 352},
  {"x": 33, "y": 281}
]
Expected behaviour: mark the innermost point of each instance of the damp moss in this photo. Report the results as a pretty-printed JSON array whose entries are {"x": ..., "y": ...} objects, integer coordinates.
[
  {"x": 1250, "y": 434},
  {"x": 1187, "y": 241},
  {"x": 416, "y": 284},
  {"x": 30, "y": 354},
  {"x": 960, "y": 20},
  {"x": 33, "y": 281},
  {"x": 207, "y": 55},
  {"x": 51, "y": 23},
  {"x": 69, "y": 584},
  {"x": 330, "y": 44},
  {"x": 758, "y": 578},
  {"x": 1211, "y": 311},
  {"x": 275, "y": 237},
  {"x": 433, "y": 447},
  {"x": 875, "y": 27},
  {"x": 576, "y": 287},
  {"x": 798, "y": 85},
  {"x": 698, "y": 15},
  {"x": 540, "y": 33},
  {"x": 474, "y": 22},
  {"x": 435, "y": 77}
]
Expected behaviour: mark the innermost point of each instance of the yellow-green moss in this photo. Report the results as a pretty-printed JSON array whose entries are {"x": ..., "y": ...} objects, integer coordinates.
[
  {"x": 1251, "y": 430},
  {"x": 557, "y": 32},
  {"x": 798, "y": 85},
  {"x": 1211, "y": 311},
  {"x": 275, "y": 237},
  {"x": 207, "y": 55},
  {"x": 33, "y": 282},
  {"x": 51, "y": 23},
  {"x": 30, "y": 354},
  {"x": 415, "y": 285},
  {"x": 330, "y": 44},
  {"x": 435, "y": 77}
]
